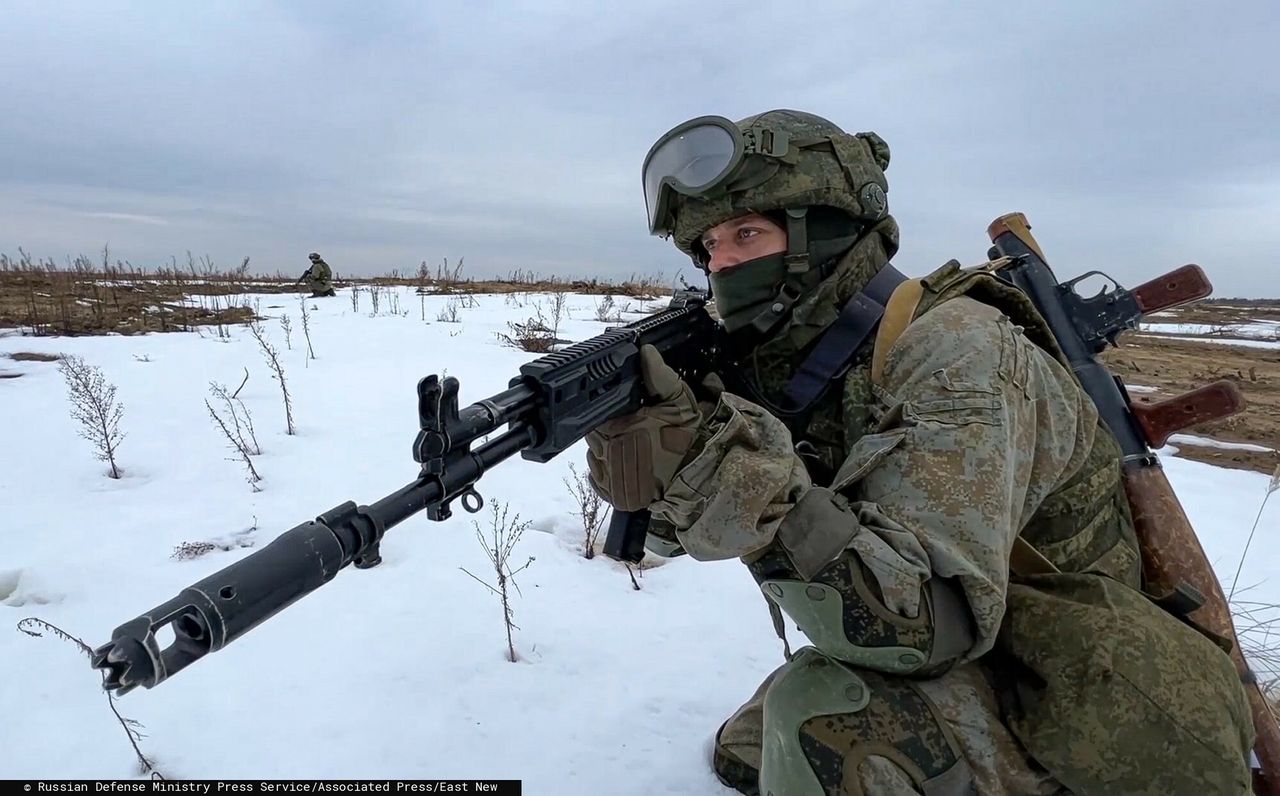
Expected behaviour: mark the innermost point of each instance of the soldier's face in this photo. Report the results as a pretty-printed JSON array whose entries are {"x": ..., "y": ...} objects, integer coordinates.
[{"x": 741, "y": 239}]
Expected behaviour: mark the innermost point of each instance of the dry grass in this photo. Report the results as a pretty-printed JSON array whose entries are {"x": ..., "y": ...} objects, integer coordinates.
[
  {"x": 86, "y": 296},
  {"x": 32, "y": 356}
]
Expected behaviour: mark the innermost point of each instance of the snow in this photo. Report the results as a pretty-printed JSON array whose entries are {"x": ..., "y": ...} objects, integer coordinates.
[
  {"x": 398, "y": 671},
  {"x": 1259, "y": 330},
  {"x": 1233, "y": 341},
  {"x": 1191, "y": 439}
]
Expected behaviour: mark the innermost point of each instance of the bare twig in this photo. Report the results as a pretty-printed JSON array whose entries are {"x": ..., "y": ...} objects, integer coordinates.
[
  {"x": 235, "y": 407},
  {"x": 242, "y": 383},
  {"x": 1271, "y": 487},
  {"x": 277, "y": 372},
  {"x": 449, "y": 312},
  {"x": 534, "y": 335},
  {"x": 592, "y": 509},
  {"x": 132, "y": 728},
  {"x": 93, "y": 405},
  {"x": 238, "y": 444},
  {"x": 306, "y": 326},
  {"x": 559, "y": 307},
  {"x": 505, "y": 534}
]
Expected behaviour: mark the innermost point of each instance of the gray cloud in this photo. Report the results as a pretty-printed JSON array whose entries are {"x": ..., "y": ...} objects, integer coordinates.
[{"x": 1136, "y": 136}]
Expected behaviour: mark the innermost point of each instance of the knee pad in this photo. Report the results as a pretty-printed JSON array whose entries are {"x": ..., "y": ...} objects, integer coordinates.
[
  {"x": 823, "y": 720},
  {"x": 841, "y": 611}
]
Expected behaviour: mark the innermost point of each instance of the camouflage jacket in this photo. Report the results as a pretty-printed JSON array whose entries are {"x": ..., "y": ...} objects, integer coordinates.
[
  {"x": 319, "y": 272},
  {"x": 906, "y": 505}
]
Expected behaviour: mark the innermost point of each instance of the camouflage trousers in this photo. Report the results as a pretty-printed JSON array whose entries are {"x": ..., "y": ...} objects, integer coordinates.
[{"x": 818, "y": 726}]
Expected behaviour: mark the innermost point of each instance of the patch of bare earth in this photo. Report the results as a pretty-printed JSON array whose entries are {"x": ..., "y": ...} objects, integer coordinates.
[
  {"x": 1177, "y": 366},
  {"x": 32, "y": 356}
]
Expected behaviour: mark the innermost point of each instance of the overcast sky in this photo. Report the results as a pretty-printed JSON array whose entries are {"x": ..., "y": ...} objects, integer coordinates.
[{"x": 1136, "y": 136}]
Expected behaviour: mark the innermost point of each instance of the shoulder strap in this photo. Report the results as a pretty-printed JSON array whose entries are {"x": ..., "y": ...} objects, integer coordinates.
[
  {"x": 830, "y": 358},
  {"x": 898, "y": 314}
]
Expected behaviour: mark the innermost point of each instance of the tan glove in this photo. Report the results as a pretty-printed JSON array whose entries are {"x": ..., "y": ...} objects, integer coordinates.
[{"x": 632, "y": 459}]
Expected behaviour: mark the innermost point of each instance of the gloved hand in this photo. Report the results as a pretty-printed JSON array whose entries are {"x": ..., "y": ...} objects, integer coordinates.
[{"x": 632, "y": 459}]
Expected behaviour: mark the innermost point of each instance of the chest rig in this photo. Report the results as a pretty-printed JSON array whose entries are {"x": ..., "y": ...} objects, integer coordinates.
[{"x": 828, "y": 401}]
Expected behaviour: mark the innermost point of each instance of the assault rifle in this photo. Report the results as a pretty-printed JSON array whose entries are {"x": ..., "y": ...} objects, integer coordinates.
[
  {"x": 560, "y": 397},
  {"x": 552, "y": 404},
  {"x": 1174, "y": 563}
]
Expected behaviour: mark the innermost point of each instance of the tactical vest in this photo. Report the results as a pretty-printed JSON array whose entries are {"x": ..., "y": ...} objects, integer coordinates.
[{"x": 1084, "y": 525}]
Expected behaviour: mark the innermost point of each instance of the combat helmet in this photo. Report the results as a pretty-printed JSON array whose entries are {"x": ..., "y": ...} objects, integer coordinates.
[{"x": 825, "y": 186}]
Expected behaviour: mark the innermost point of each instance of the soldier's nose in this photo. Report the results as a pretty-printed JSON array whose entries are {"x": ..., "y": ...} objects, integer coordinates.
[{"x": 721, "y": 260}]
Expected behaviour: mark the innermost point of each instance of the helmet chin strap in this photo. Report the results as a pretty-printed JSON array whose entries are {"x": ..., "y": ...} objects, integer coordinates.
[
  {"x": 803, "y": 265},
  {"x": 806, "y": 266},
  {"x": 798, "y": 267}
]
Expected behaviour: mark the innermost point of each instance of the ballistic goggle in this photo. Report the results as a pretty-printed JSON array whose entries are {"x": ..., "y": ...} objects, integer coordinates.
[{"x": 697, "y": 158}]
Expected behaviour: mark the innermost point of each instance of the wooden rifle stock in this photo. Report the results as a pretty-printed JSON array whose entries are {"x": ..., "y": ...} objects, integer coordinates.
[
  {"x": 1171, "y": 550},
  {"x": 1172, "y": 554},
  {"x": 1210, "y": 402}
]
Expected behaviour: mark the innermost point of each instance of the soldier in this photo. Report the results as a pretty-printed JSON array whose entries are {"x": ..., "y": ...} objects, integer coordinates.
[
  {"x": 878, "y": 475},
  {"x": 319, "y": 277}
]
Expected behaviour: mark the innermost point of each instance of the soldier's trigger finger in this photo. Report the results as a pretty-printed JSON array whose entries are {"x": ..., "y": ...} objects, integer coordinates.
[{"x": 660, "y": 380}]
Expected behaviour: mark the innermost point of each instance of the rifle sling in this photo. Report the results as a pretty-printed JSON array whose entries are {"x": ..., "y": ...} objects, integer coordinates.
[{"x": 834, "y": 352}]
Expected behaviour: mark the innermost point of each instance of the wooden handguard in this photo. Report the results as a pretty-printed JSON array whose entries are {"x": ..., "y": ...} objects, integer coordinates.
[
  {"x": 1210, "y": 402},
  {"x": 1171, "y": 550},
  {"x": 1173, "y": 289}
]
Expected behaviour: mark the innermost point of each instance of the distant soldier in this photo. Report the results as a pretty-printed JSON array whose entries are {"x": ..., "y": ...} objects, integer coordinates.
[{"x": 319, "y": 277}]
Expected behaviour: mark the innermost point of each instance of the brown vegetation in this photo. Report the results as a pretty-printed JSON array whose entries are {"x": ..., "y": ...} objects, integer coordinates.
[
  {"x": 91, "y": 297},
  {"x": 95, "y": 297},
  {"x": 1176, "y": 366},
  {"x": 84, "y": 297},
  {"x": 32, "y": 356}
]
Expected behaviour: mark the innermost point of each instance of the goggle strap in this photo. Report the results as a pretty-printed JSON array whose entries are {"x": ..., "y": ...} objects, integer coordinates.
[{"x": 797, "y": 258}]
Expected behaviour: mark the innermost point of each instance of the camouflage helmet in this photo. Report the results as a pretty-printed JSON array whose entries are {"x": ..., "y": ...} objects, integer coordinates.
[
  {"x": 781, "y": 159},
  {"x": 314, "y": 256}
]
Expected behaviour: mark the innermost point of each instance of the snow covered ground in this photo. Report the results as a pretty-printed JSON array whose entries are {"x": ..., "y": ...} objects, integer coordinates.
[
  {"x": 1234, "y": 341},
  {"x": 1268, "y": 331},
  {"x": 397, "y": 671},
  {"x": 1191, "y": 439}
]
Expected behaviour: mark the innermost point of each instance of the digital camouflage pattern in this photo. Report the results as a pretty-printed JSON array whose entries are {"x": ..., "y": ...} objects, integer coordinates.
[
  {"x": 982, "y": 427},
  {"x": 881, "y": 522},
  {"x": 845, "y": 173},
  {"x": 976, "y": 433},
  {"x": 1094, "y": 659},
  {"x": 914, "y": 504}
]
